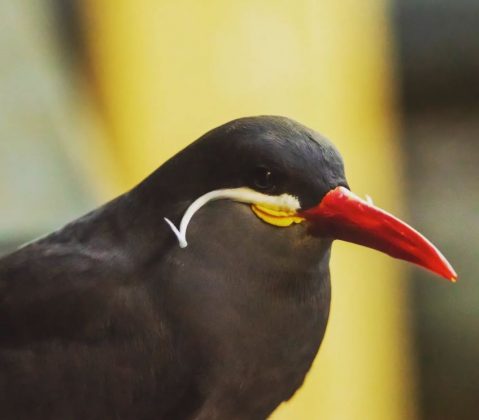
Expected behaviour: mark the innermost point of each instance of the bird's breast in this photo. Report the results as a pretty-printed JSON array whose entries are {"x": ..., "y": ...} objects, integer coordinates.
[{"x": 252, "y": 297}]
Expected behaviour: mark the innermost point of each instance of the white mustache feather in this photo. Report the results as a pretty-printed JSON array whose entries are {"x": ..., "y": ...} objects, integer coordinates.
[{"x": 242, "y": 195}]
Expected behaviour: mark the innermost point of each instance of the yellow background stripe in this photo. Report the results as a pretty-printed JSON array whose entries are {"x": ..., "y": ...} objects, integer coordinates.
[{"x": 170, "y": 70}]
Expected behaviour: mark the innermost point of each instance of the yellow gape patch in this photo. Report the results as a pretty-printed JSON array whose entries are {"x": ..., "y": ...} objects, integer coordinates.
[{"x": 281, "y": 218}]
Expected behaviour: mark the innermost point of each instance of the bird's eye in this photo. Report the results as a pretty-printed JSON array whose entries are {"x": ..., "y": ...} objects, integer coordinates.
[{"x": 263, "y": 179}]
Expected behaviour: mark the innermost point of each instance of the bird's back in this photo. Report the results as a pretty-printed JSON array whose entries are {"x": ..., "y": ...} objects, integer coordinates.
[{"x": 80, "y": 335}]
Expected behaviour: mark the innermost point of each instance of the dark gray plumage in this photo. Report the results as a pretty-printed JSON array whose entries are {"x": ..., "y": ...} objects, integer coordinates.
[{"x": 109, "y": 318}]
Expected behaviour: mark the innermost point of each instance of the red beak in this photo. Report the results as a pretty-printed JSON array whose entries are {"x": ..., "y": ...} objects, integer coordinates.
[{"x": 343, "y": 215}]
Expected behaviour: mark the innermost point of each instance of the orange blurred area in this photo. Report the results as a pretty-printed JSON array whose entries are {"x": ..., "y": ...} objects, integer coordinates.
[{"x": 94, "y": 95}]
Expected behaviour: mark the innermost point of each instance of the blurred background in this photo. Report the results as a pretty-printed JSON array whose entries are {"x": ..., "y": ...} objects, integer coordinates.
[{"x": 95, "y": 94}]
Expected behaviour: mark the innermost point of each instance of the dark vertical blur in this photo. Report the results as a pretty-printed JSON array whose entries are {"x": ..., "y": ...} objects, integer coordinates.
[
  {"x": 438, "y": 47},
  {"x": 67, "y": 17}
]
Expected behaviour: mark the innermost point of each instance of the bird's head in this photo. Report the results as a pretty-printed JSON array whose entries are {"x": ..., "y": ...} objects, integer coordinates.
[{"x": 288, "y": 174}]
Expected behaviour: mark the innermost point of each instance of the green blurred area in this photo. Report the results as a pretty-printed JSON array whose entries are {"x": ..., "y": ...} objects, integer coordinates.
[{"x": 438, "y": 50}]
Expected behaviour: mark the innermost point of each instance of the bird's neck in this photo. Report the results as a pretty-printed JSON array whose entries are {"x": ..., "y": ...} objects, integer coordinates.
[{"x": 227, "y": 236}]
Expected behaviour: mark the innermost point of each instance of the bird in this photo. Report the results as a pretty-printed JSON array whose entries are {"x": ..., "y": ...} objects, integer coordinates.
[{"x": 201, "y": 293}]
